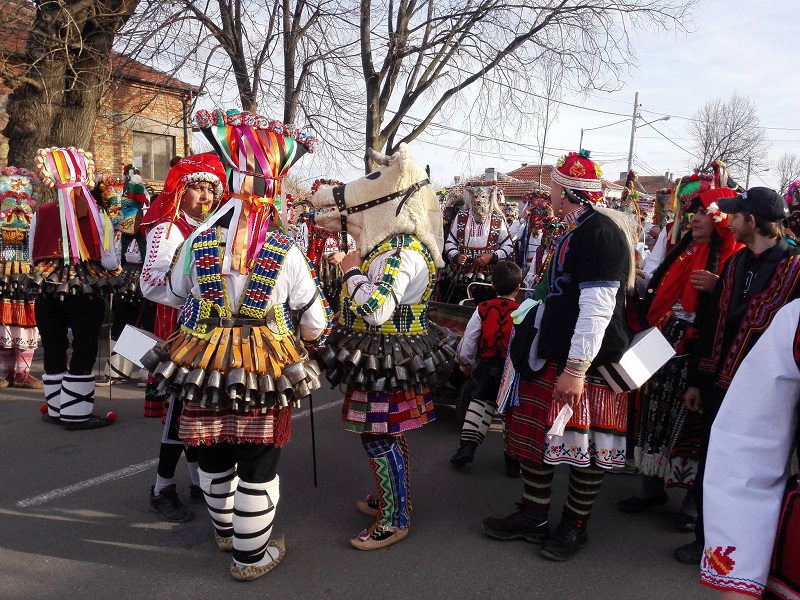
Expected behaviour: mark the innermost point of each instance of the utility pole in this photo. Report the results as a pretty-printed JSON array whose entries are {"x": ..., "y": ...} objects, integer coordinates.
[
  {"x": 633, "y": 130},
  {"x": 747, "y": 179}
]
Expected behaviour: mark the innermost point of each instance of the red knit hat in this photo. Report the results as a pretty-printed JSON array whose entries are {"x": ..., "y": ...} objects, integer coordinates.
[
  {"x": 576, "y": 171},
  {"x": 200, "y": 167}
]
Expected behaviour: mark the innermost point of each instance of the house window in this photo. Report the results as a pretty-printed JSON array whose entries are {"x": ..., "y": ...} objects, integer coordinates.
[{"x": 152, "y": 153}]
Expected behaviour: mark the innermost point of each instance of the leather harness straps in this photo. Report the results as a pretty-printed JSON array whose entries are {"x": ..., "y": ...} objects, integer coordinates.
[{"x": 338, "y": 198}]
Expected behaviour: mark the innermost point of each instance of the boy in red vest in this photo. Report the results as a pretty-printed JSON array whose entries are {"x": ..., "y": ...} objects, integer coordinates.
[{"x": 481, "y": 354}]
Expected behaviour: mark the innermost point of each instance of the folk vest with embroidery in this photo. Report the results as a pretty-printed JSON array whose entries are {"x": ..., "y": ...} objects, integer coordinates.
[
  {"x": 496, "y": 327},
  {"x": 406, "y": 318},
  {"x": 213, "y": 298}
]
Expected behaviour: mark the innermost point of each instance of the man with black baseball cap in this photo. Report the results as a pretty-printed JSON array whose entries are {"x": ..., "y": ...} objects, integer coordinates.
[
  {"x": 754, "y": 284},
  {"x": 759, "y": 201}
]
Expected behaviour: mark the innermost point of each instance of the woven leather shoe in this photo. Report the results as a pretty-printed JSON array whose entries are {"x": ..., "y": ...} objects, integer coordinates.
[
  {"x": 250, "y": 572},
  {"x": 169, "y": 506},
  {"x": 520, "y": 525},
  {"x": 569, "y": 537},
  {"x": 377, "y": 537},
  {"x": 223, "y": 543}
]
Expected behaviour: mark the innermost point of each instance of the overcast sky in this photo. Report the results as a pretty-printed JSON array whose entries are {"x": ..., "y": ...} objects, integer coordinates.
[{"x": 733, "y": 46}]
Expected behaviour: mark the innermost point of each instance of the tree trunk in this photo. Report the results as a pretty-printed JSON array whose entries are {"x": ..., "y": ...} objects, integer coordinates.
[{"x": 66, "y": 69}]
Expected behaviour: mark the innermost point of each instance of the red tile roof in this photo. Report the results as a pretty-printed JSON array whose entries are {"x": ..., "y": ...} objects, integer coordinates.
[
  {"x": 512, "y": 188},
  {"x": 14, "y": 38},
  {"x": 531, "y": 173}
]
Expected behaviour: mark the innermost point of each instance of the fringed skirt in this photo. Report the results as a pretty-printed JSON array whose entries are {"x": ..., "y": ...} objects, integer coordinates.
[
  {"x": 209, "y": 426},
  {"x": 668, "y": 434},
  {"x": 386, "y": 412},
  {"x": 595, "y": 431},
  {"x": 18, "y": 324}
]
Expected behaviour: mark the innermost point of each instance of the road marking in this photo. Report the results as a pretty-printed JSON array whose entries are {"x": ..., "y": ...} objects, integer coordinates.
[
  {"x": 127, "y": 471},
  {"x": 76, "y": 487}
]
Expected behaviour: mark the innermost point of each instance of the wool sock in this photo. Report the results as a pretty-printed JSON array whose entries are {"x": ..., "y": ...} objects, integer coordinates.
[
  {"x": 52, "y": 393},
  {"x": 584, "y": 486},
  {"x": 8, "y": 356},
  {"x": 476, "y": 422},
  {"x": 161, "y": 483},
  {"x": 652, "y": 487},
  {"x": 254, "y": 512},
  {"x": 219, "y": 489},
  {"x": 536, "y": 487}
]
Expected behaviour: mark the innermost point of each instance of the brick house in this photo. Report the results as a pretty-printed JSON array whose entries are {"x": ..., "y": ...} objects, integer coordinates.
[{"x": 143, "y": 116}]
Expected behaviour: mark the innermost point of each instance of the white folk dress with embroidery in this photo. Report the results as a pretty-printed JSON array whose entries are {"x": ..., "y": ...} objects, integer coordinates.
[
  {"x": 750, "y": 459},
  {"x": 161, "y": 250},
  {"x": 293, "y": 284}
]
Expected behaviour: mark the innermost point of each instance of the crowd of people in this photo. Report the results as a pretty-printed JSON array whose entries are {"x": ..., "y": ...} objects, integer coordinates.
[{"x": 243, "y": 286}]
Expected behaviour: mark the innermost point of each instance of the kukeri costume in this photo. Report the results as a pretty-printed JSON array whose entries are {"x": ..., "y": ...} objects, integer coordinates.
[
  {"x": 748, "y": 469},
  {"x": 237, "y": 361},
  {"x": 583, "y": 326},
  {"x": 19, "y": 336},
  {"x": 73, "y": 258},
  {"x": 527, "y": 233},
  {"x": 384, "y": 349},
  {"x": 477, "y": 230},
  {"x": 167, "y": 227},
  {"x": 127, "y": 299},
  {"x": 319, "y": 244}
]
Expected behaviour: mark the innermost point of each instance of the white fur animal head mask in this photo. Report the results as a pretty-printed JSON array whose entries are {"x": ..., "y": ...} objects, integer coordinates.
[
  {"x": 481, "y": 200},
  {"x": 394, "y": 199}
]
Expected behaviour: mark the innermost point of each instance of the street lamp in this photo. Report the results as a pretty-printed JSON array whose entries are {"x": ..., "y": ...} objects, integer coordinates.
[
  {"x": 580, "y": 144},
  {"x": 634, "y": 127}
]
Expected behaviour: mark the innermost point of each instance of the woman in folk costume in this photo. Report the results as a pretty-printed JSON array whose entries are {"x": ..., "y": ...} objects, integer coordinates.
[
  {"x": 19, "y": 337},
  {"x": 384, "y": 349},
  {"x": 173, "y": 216},
  {"x": 72, "y": 252},
  {"x": 667, "y": 433},
  {"x": 325, "y": 249},
  {"x": 195, "y": 186},
  {"x": 583, "y": 326},
  {"x": 238, "y": 360}
]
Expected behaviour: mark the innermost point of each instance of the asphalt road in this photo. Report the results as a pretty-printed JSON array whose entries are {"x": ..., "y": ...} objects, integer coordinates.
[{"x": 75, "y": 523}]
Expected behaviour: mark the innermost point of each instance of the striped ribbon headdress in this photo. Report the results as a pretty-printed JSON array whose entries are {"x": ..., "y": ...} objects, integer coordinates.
[
  {"x": 71, "y": 172},
  {"x": 256, "y": 153}
]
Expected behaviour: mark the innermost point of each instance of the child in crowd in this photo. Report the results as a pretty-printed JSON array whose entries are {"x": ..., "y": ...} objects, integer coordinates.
[{"x": 481, "y": 354}]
